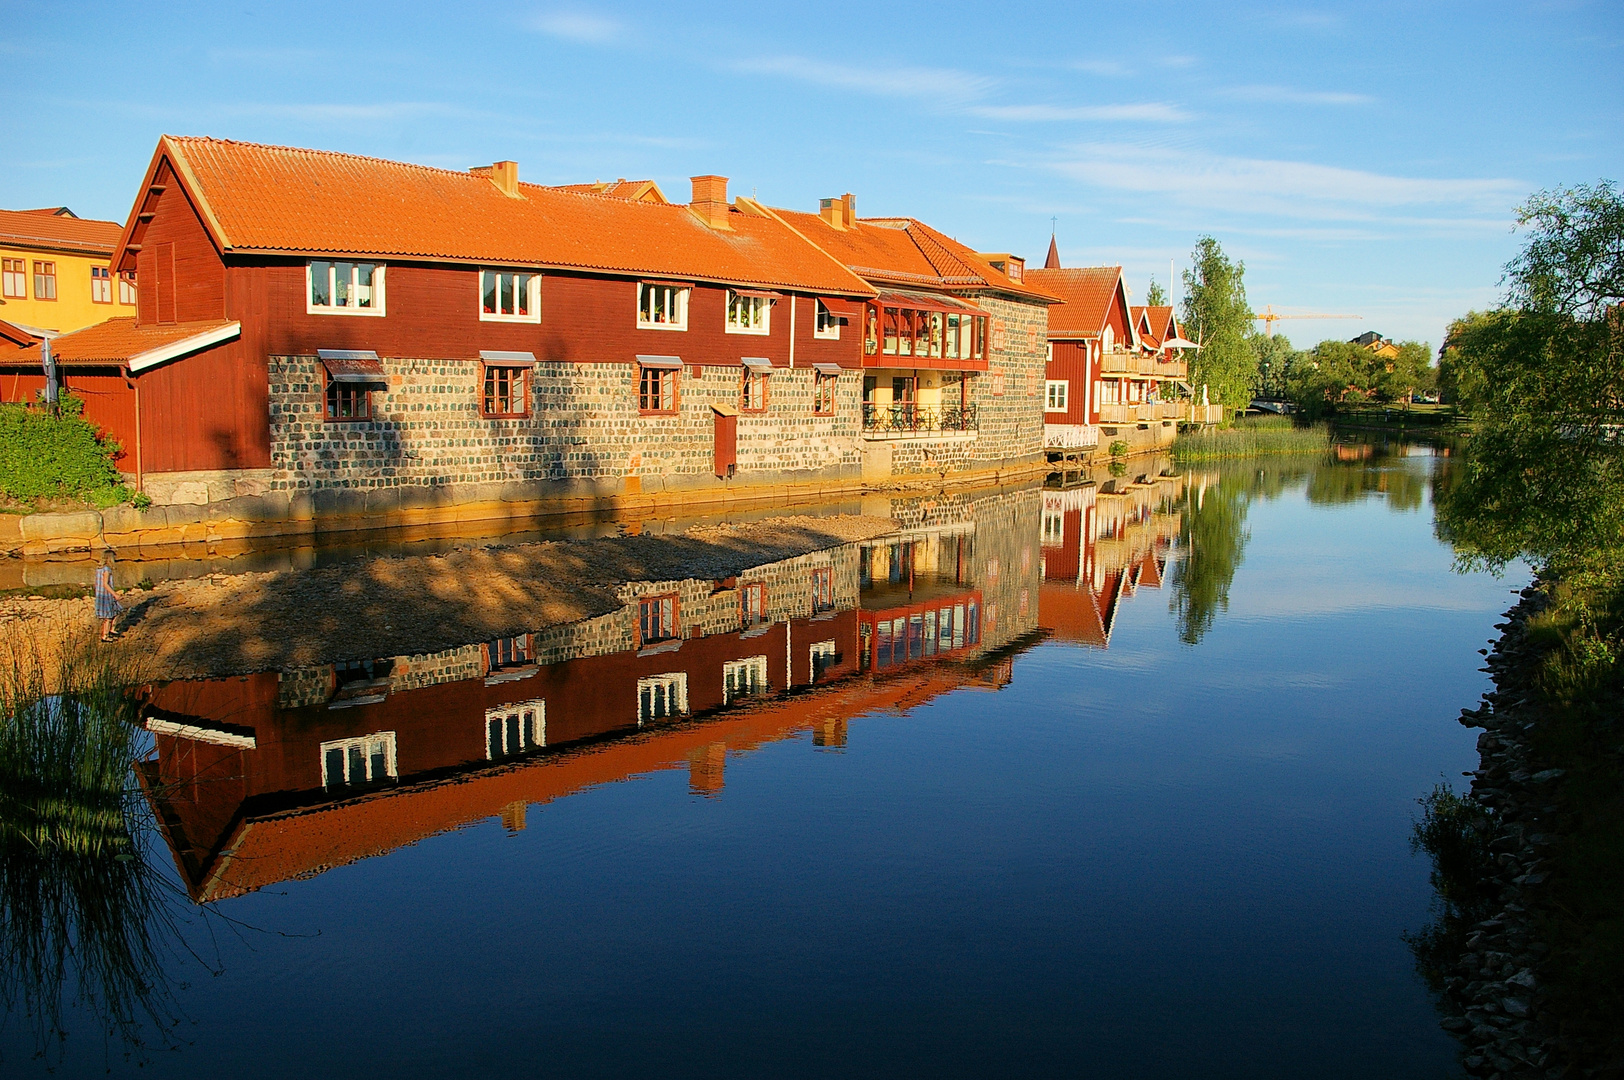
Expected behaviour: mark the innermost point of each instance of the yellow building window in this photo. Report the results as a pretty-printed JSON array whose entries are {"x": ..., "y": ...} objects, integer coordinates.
[
  {"x": 44, "y": 280},
  {"x": 126, "y": 288},
  {"x": 101, "y": 285},
  {"x": 16, "y": 279}
]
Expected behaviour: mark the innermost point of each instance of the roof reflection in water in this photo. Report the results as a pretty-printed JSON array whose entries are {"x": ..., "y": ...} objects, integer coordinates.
[{"x": 263, "y": 778}]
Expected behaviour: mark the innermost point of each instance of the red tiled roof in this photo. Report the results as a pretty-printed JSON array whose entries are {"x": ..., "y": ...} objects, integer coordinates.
[
  {"x": 1087, "y": 293},
  {"x": 634, "y": 190},
  {"x": 45, "y": 230},
  {"x": 902, "y": 251},
  {"x": 119, "y": 341},
  {"x": 280, "y": 199}
]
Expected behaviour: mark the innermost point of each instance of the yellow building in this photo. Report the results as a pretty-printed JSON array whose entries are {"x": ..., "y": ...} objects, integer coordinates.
[{"x": 54, "y": 270}]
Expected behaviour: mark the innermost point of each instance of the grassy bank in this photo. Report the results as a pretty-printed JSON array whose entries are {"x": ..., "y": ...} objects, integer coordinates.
[
  {"x": 1252, "y": 437},
  {"x": 1582, "y": 682}
]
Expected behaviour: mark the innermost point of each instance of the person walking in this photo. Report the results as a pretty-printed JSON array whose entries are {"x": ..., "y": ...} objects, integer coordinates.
[{"x": 107, "y": 605}]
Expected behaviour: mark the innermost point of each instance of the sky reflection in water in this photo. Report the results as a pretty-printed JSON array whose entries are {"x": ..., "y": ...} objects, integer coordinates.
[{"x": 1155, "y": 859}]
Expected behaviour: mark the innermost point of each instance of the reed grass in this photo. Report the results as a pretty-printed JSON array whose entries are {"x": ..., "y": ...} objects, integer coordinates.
[
  {"x": 1252, "y": 438},
  {"x": 83, "y": 914}
]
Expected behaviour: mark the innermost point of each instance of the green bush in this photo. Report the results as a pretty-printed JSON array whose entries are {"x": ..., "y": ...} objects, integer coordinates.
[
  {"x": 1119, "y": 448},
  {"x": 46, "y": 456}
]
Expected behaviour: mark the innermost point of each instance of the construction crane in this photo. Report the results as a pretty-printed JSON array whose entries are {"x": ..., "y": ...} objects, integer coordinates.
[{"x": 1269, "y": 318}]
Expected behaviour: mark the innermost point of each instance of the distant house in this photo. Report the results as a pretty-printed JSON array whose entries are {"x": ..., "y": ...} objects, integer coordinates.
[
  {"x": 54, "y": 271},
  {"x": 1377, "y": 344},
  {"x": 1113, "y": 369}
]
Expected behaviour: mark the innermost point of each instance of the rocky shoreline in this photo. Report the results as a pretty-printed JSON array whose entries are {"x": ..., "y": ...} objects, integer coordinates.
[{"x": 1493, "y": 991}]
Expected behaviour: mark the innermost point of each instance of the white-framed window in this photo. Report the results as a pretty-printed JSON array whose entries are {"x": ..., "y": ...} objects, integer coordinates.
[
  {"x": 1054, "y": 528},
  {"x": 1050, "y": 354},
  {"x": 747, "y": 314},
  {"x": 662, "y": 307},
  {"x": 509, "y": 296},
  {"x": 1054, "y": 395},
  {"x": 365, "y": 760},
  {"x": 1108, "y": 339},
  {"x": 742, "y": 678},
  {"x": 343, "y": 288},
  {"x": 510, "y": 730},
  {"x": 824, "y": 656},
  {"x": 101, "y": 285},
  {"x": 661, "y": 697},
  {"x": 828, "y": 323}
]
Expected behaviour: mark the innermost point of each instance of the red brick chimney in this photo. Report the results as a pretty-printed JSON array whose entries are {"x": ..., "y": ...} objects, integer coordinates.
[{"x": 710, "y": 201}]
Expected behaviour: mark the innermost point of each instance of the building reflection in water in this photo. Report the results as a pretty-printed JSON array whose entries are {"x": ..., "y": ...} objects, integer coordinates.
[
  {"x": 1101, "y": 543},
  {"x": 260, "y": 778}
]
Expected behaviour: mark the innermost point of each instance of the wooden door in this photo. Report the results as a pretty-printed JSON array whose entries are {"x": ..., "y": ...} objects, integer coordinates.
[{"x": 725, "y": 440}]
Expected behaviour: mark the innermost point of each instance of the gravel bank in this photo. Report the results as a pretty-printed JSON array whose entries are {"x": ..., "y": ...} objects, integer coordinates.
[{"x": 416, "y": 604}]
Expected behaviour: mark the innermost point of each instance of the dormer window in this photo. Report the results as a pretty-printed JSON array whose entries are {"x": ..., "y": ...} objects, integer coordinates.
[
  {"x": 344, "y": 288},
  {"x": 748, "y": 311},
  {"x": 509, "y": 296},
  {"x": 828, "y": 324},
  {"x": 662, "y": 306}
]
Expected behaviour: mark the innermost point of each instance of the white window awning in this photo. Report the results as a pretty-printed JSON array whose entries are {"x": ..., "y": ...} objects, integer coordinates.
[
  {"x": 660, "y": 361},
  {"x": 757, "y": 363},
  {"x": 827, "y": 369},
  {"x": 496, "y": 357}
]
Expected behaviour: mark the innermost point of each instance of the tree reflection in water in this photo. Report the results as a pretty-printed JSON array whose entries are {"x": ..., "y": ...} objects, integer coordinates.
[
  {"x": 85, "y": 920},
  {"x": 1213, "y": 532}
]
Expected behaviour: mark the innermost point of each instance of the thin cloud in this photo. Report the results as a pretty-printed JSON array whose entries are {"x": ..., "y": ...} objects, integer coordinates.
[
  {"x": 581, "y": 26},
  {"x": 939, "y": 84},
  {"x": 1293, "y": 188},
  {"x": 1286, "y": 95},
  {"x": 1151, "y": 112}
]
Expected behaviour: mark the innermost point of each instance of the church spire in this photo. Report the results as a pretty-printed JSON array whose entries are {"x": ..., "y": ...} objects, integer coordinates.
[{"x": 1053, "y": 261}]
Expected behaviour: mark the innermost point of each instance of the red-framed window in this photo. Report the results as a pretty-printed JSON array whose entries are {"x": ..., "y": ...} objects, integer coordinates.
[
  {"x": 752, "y": 605},
  {"x": 823, "y": 589},
  {"x": 753, "y": 391},
  {"x": 508, "y": 652},
  {"x": 15, "y": 278},
  {"x": 656, "y": 390},
  {"x": 823, "y": 394},
  {"x": 44, "y": 280},
  {"x": 101, "y": 285},
  {"x": 656, "y": 619},
  {"x": 347, "y": 401},
  {"x": 506, "y": 391}
]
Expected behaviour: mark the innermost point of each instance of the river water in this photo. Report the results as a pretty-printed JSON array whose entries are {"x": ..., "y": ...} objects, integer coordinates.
[{"x": 1113, "y": 781}]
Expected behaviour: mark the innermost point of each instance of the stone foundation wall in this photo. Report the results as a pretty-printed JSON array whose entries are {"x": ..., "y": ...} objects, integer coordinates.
[{"x": 426, "y": 429}]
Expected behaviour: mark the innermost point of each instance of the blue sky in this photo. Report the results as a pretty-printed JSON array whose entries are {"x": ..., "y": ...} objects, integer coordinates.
[{"x": 1360, "y": 159}]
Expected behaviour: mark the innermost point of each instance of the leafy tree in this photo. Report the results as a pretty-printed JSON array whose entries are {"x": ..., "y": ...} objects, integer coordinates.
[
  {"x": 1544, "y": 376},
  {"x": 1398, "y": 378},
  {"x": 1573, "y": 263},
  {"x": 1216, "y": 311},
  {"x": 1276, "y": 360},
  {"x": 1155, "y": 296}
]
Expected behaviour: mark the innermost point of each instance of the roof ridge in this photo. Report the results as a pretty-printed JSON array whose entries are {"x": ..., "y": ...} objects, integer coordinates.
[{"x": 309, "y": 150}]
